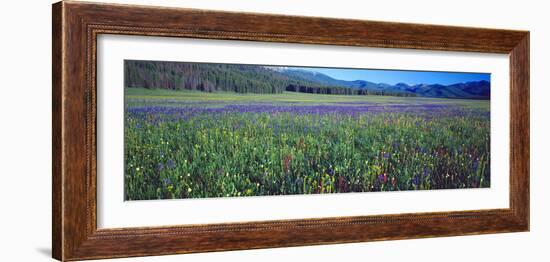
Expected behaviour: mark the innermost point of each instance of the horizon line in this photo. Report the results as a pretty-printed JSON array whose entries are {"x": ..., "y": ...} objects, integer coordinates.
[{"x": 323, "y": 69}]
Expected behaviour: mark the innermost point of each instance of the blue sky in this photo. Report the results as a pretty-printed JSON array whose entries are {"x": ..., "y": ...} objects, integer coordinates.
[{"x": 400, "y": 76}]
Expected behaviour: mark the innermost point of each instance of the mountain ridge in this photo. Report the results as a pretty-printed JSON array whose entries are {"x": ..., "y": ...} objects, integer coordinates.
[
  {"x": 470, "y": 90},
  {"x": 242, "y": 78}
]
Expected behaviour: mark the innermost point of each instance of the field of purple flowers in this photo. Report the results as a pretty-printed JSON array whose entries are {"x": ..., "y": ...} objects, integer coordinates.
[{"x": 228, "y": 148}]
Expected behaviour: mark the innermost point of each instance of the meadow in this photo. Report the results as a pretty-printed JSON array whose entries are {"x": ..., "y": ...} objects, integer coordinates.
[{"x": 191, "y": 144}]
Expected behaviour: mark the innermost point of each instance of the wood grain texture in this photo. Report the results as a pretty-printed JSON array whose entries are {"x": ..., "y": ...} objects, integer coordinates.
[
  {"x": 76, "y": 26},
  {"x": 519, "y": 129},
  {"x": 57, "y": 215}
]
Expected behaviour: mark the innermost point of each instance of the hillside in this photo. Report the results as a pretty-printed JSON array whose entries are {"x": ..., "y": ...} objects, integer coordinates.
[
  {"x": 468, "y": 90},
  {"x": 211, "y": 77}
]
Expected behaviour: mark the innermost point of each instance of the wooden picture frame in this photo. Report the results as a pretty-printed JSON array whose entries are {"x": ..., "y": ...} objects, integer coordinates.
[{"x": 76, "y": 26}]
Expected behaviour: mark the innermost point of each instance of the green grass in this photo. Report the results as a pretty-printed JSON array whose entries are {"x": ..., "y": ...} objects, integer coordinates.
[
  {"x": 169, "y": 154},
  {"x": 161, "y": 95}
]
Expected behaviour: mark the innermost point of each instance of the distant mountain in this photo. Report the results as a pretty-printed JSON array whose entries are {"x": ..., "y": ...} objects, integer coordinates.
[
  {"x": 312, "y": 76},
  {"x": 211, "y": 77},
  {"x": 469, "y": 90}
]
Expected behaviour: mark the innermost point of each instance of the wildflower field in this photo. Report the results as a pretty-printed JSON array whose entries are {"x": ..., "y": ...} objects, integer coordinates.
[{"x": 190, "y": 144}]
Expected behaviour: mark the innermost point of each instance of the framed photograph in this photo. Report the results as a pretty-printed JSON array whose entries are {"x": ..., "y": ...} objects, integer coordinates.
[{"x": 181, "y": 130}]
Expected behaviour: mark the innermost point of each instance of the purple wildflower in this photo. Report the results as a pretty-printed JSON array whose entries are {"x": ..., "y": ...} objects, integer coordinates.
[{"x": 171, "y": 163}]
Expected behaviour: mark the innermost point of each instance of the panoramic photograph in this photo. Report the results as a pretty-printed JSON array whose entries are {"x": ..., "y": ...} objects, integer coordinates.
[{"x": 210, "y": 130}]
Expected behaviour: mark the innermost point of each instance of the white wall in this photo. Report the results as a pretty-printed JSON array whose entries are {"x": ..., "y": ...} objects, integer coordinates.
[{"x": 25, "y": 150}]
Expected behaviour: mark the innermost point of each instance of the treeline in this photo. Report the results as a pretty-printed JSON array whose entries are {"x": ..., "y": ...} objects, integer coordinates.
[
  {"x": 336, "y": 90},
  {"x": 205, "y": 77},
  {"x": 211, "y": 77}
]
